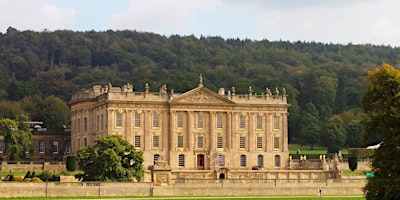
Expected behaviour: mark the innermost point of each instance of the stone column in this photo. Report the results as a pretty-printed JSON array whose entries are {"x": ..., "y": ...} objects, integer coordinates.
[
  {"x": 171, "y": 137},
  {"x": 211, "y": 132},
  {"x": 189, "y": 127},
  {"x": 251, "y": 142},
  {"x": 146, "y": 130},
  {"x": 229, "y": 131}
]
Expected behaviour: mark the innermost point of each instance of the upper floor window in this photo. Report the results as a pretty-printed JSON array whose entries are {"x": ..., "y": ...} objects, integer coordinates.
[
  {"x": 1, "y": 146},
  {"x": 219, "y": 121},
  {"x": 199, "y": 121},
  {"x": 98, "y": 123},
  {"x": 200, "y": 142},
  {"x": 276, "y": 143},
  {"x": 79, "y": 125},
  {"x": 85, "y": 142},
  {"x": 118, "y": 120},
  {"x": 242, "y": 142},
  {"x": 179, "y": 123},
  {"x": 136, "y": 123},
  {"x": 85, "y": 124},
  {"x": 137, "y": 141},
  {"x": 242, "y": 124},
  {"x": 219, "y": 142},
  {"x": 155, "y": 141},
  {"x": 67, "y": 147},
  {"x": 155, "y": 121},
  {"x": 55, "y": 147},
  {"x": 259, "y": 123},
  {"x": 276, "y": 122},
  {"x": 180, "y": 141},
  {"x": 102, "y": 122},
  {"x": 259, "y": 142},
  {"x": 42, "y": 146}
]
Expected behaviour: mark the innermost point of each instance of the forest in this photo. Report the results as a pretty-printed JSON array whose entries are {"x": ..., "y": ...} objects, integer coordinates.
[{"x": 40, "y": 70}]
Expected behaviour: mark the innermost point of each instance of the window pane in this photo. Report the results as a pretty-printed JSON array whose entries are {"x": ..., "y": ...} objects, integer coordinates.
[
  {"x": 243, "y": 160},
  {"x": 219, "y": 121},
  {"x": 276, "y": 122},
  {"x": 221, "y": 160},
  {"x": 41, "y": 146},
  {"x": 260, "y": 161},
  {"x": 259, "y": 122},
  {"x": 118, "y": 120},
  {"x": 180, "y": 141},
  {"x": 219, "y": 142},
  {"x": 102, "y": 122},
  {"x": 155, "y": 141},
  {"x": 242, "y": 142},
  {"x": 200, "y": 142},
  {"x": 259, "y": 143},
  {"x": 85, "y": 127},
  {"x": 242, "y": 124},
  {"x": 277, "y": 161},
  {"x": 180, "y": 121},
  {"x": 276, "y": 143},
  {"x": 55, "y": 147},
  {"x": 181, "y": 160},
  {"x": 155, "y": 158},
  {"x": 155, "y": 120},
  {"x": 137, "y": 121},
  {"x": 1, "y": 146},
  {"x": 199, "y": 121},
  {"x": 137, "y": 140}
]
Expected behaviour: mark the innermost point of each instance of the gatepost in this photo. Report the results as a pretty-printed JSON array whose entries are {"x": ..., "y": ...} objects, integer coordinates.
[{"x": 161, "y": 173}]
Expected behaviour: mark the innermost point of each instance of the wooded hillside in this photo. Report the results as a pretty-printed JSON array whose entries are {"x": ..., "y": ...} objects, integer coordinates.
[{"x": 329, "y": 76}]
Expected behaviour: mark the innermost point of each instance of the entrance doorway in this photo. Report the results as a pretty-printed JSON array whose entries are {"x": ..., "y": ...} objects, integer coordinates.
[{"x": 200, "y": 161}]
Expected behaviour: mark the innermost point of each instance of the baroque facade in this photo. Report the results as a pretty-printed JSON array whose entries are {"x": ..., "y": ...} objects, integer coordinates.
[{"x": 196, "y": 130}]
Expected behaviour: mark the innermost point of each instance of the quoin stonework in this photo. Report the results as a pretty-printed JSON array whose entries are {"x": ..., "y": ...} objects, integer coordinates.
[{"x": 195, "y": 131}]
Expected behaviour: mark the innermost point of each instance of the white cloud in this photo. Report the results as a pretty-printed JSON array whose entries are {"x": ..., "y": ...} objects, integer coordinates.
[{"x": 34, "y": 15}]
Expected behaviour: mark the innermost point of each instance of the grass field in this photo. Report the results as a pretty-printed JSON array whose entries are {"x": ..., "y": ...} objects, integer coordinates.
[
  {"x": 306, "y": 149},
  {"x": 211, "y": 198}
]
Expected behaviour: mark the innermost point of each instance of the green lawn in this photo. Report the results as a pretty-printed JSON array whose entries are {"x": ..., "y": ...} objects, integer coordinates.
[{"x": 306, "y": 149}]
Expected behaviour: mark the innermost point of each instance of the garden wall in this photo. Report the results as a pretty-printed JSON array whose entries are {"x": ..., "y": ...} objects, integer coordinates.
[{"x": 195, "y": 188}]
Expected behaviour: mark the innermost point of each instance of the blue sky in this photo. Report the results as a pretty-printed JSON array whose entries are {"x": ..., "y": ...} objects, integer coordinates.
[{"x": 340, "y": 21}]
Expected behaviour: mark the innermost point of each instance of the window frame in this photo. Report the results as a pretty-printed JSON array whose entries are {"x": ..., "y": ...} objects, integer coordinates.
[
  {"x": 138, "y": 141},
  {"x": 242, "y": 142},
  {"x": 118, "y": 120},
  {"x": 242, "y": 122},
  {"x": 137, "y": 117},
  {"x": 219, "y": 124}
]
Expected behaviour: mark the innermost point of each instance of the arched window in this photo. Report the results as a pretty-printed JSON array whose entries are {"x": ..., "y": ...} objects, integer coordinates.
[
  {"x": 277, "y": 161},
  {"x": 243, "y": 160},
  {"x": 260, "y": 161},
  {"x": 181, "y": 160}
]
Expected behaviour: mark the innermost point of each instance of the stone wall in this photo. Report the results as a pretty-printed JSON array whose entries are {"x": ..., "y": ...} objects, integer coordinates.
[{"x": 206, "y": 188}]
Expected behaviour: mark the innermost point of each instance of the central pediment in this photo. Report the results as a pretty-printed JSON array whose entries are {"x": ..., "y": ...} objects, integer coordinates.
[{"x": 201, "y": 95}]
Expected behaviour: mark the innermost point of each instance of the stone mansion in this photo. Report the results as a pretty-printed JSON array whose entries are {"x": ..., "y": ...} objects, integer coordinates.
[{"x": 196, "y": 130}]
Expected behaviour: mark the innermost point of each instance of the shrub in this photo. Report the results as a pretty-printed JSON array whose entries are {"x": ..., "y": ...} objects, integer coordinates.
[
  {"x": 10, "y": 177},
  {"x": 33, "y": 174},
  {"x": 71, "y": 163},
  {"x": 36, "y": 180},
  {"x": 353, "y": 163},
  {"x": 27, "y": 179},
  {"x": 18, "y": 178},
  {"x": 28, "y": 175}
]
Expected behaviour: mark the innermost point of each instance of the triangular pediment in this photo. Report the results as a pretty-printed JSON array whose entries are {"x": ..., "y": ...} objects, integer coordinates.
[{"x": 201, "y": 95}]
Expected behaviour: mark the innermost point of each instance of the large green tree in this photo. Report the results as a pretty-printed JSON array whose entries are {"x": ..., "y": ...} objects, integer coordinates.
[
  {"x": 17, "y": 138},
  {"x": 111, "y": 159},
  {"x": 333, "y": 134},
  {"x": 381, "y": 104},
  {"x": 310, "y": 126}
]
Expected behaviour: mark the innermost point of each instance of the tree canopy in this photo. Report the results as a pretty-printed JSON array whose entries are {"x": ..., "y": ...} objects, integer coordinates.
[
  {"x": 381, "y": 104},
  {"x": 110, "y": 159},
  {"x": 37, "y": 65},
  {"x": 17, "y": 138}
]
